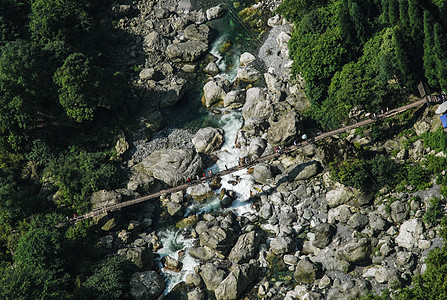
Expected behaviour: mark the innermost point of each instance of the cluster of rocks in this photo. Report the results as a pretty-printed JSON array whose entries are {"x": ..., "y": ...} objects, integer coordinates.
[{"x": 327, "y": 240}]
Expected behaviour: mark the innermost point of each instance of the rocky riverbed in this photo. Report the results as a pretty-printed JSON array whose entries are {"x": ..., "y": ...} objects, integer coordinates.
[{"x": 301, "y": 235}]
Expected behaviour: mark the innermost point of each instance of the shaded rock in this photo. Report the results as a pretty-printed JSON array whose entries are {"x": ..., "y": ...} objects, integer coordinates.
[
  {"x": 154, "y": 42},
  {"x": 175, "y": 209},
  {"x": 338, "y": 196},
  {"x": 109, "y": 225},
  {"x": 218, "y": 239},
  {"x": 341, "y": 213},
  {"x": 358, "y": 221},
  {"x": 215, "y": 12},
  {"x": 405, "y": 261},
  {"x": 349, "y": 289},
  {"x": 256, "y": 147},
  {"x": 248, "y": 74},
  {"x": 147, "y": 73},
  {"x": 189, "y": 51},
  {"x": 212, "y": 276},
  {"x": 383, "y": 275},
  {"x": 121, "y": 145},
  {"x": 301, "y": 292},
  {"x": 376, "y": 222},
  {"x": 193, "y": 279},
  {"x": 196, "y": 294},
  {"x": 355, "y": 250},
  {"x": 284, "y": 129},
  {"x": 237, "y": 281},
  {"x": 146, "y": 285},
  {"x": 409, "y": 233},
  {"x": 245, "y": 248},
  {"x": 174, "y": 92},
  {"x": 208, "y": 139},
  {"x": 262, "y": 173},
  {"x": 246, "y": 58},
  {"x": 324, "y": 233},
  {"x": 330, "y": 261},
  {"x": 103, "y": 198},
  {"x": 234, "y": 99},
  {"x": 282, "y": 245},
  {"x": 143, "y": 183},
  {"x": 304, "y": 171},
  {"x": 212, "y": 94},
  {"x": 201, "y": 253},
  {"x": 172, "y": 166},
  {"x": 172, "y": 264},
  {"x": 399, "y": 211},
  {"x": 306, "y": 271},
  {"x": 198, "y": 32},
  {"x": 141, "y": 257}
]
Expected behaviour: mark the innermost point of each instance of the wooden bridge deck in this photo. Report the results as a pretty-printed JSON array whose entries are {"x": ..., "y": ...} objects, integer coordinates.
[{"x": 241, "y": 167}]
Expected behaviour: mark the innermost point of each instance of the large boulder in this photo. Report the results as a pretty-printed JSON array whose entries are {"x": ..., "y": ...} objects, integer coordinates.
[
  {"x": 154, "y": 42},
  {"x": 214, "y": 12},
  {"x": 201, "y": 191},
  {"x": 306, "y": 271},
  {"x": 141, "y": 257},
  {"x": 198, "y": 32},
  {"x": 282, "y": 245},
  {"x": 147, "y": 285},
  {"x": 237, "y": 281},
  {"x": 331, "y": 262},
  {"x": 399, "y": 211},
  {"x": 208, "y": 139},
  {"x": 262, "y": 173},
  {"x": 246, "y": 58},
  {"x": 283, "y": 129},
  {"x": 172, "y": 93},
  {"x": 245, "y": 248},
  {"x": 349, "y": 289},
  {"x": 355, "y": 250},
  {"x": 248, "y": 74},
  {"x": 104, "y": 198},
  {"x": 304, "y": 171},
  {"x": 340, "y": 195},
  {"x": 218, "y": 239},
  {"x": 172, "y": 166},
  {"x": 188, "y": 51},
  {"x": 409, "y": 233},
  {"x": 212, "y": 94},
  {"x": 212, "y": 276},
  {"x": 324, "y": 233},
  {"x": 256, "y": 105},
  {"x": 234, "y": 99}
]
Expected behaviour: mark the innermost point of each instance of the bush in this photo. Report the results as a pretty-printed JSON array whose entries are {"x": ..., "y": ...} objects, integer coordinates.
[
  {"x": 434, "y": 212},
  {"x": 350, "y": 172},
  {"x": 436, "y": 140}
]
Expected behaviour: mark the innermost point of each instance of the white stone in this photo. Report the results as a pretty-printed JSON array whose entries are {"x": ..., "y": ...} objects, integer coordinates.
[
  {"x": 246, "y": 58},
  {"x": 409, "y": 233}
]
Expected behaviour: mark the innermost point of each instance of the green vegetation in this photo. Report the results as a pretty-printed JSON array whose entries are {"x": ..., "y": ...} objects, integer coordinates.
[
  {"x": 58, "y": 85},
  {"x": 368, "y": 54}
]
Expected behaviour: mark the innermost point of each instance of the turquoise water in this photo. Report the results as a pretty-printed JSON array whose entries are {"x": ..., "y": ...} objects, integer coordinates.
[{"x": 231, "y": 39}]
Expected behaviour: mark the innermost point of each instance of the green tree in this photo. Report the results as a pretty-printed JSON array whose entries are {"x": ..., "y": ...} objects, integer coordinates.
[
  {"x": 79, "y": 87},
  {"x": 429, "y": 57},
  {"x": 107, "y": 280},
  {"x": 393, "y": 12},
  {"x": 440, "y": 39},
  {"x": 13, "y": 19}
]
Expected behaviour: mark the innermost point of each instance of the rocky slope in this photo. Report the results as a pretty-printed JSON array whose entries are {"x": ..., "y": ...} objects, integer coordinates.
[{"x": 311, "y": 237}]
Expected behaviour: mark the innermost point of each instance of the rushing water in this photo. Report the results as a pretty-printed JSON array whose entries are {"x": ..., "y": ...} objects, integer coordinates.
[{"x": 231, "y": 41}]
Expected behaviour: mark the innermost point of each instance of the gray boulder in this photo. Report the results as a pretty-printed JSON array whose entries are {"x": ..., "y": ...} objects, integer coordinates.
[
  {"x": 172, "y": 166},
  {"x": 246, "y": 58},
  {"x": 196, "y": 294},
  {"x": 175, "y": 209},
  {"x": 358, "y": 221},
  {"x": 355, "y": 250},
  {"x": 172, "y": 94},
  {"x": 198, "y": 32},
  {"x": 256, "y": 105},
  {"x": 211, "y": 69},
  {"x": 208, "y": 139},
  {"x": 155, "y": 42},
  {"x": 218, "y": 239},
  {"x": 399, "y": 211},
  {"x": 340, "y": 195},
  {"x": 304, "y": 171},
  {"x": 329, "y": 259},
  {"x": 212, "y": 276},
  {"x": 103, "y": 198},
  {"x": 324, "y": 233},
  {"x": 282, "y": 245},
  {"x": 215, "y": 12},
  {"x": 405, "y": 261},
  {"x": 141, "y": 257},
  {"x": 188, "y": 51},
  {"x": 200, "y": 192},
  {"x": 248, "y": 74},
  {"x": 349, "y": 289},
  {"x": 256, "y": 147},
  {"x": 284, "y": 129},
  {"x": 306, "y": 271},
  {"x": 262, "y": 173},
  {"x": 237, "y": 281},
  {"x": 201, "y": 253},
  {"x": 245, "y": 248},
  {"x": 147, "y": 285},
  {"x": 234, "y": 99},
  {"x": 409, "y": 233},
  {"x": 212, "y": 94}
]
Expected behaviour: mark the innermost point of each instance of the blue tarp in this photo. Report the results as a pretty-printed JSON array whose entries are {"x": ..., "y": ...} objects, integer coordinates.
[{"x": 444, "y": 120}]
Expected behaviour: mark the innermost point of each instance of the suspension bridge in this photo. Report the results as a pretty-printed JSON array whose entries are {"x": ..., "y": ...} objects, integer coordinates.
[{"x": 247, "y": 165}]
